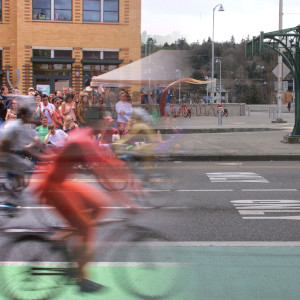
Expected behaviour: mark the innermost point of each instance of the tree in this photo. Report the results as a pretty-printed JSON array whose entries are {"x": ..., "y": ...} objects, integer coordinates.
[
  {"x": 197, "y": 88},
  {"x": 253, "y": 95},
  {"x": 232, "y": 41},
  {"x": 149, "y": 47},
  {"x": 245, "y": 80}
]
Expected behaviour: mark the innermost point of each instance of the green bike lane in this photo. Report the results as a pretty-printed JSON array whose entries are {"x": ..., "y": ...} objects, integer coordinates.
[{"x": 208, "y": 272}]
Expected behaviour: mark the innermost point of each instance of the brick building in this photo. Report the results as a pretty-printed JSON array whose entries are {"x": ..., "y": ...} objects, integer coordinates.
[{"x": 65, "y": 42}]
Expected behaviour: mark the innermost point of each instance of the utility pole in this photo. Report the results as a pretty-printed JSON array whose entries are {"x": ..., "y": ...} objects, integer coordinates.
[{"x": 279, "y": 88}]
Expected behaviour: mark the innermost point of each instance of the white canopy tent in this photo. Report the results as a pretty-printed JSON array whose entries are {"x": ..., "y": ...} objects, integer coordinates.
[{"x": 162, "y": 67}]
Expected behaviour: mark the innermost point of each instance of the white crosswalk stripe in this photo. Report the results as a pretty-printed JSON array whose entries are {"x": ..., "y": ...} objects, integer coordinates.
[{"x": 236, "y": 177}]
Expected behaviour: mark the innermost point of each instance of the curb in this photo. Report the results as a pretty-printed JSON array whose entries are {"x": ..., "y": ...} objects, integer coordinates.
[
  {"x": 250, "y": 157},
  {"x": 214, "y": 130}
]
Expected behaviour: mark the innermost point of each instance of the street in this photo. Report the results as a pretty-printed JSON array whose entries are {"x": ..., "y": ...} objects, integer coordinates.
[{"x": 234, "y": 227}]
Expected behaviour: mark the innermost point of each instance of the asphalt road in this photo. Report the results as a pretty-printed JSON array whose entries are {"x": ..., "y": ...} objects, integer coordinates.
[
  {"x": 214, "y": 201},
  {"x": 234, "y": 224}
]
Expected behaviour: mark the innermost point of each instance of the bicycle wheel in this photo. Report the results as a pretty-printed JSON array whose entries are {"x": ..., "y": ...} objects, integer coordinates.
[
  {"x": 7, "y": 212},
  {"x": 18, "y": 184},
  {"x": 33, "y": 269},
  {"x": 146, "y": 271},
  {"x": 113, "y": 178}
]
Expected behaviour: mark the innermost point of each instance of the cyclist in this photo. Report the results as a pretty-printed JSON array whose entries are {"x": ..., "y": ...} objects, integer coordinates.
[
  {"x": 18, "y": 140},
  {"x": 81, "y": 204}
]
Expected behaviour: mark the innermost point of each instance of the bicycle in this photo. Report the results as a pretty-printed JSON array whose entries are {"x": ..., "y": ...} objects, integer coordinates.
[
  {"x": 8, "y": 207},
  {"x": 50, "y": 267},
  {"x": 225, "y": 112},
  {"x": 185, "y": 111},
  {"x": 182, "y": 110},
  {"x": 11, "y": 206}
]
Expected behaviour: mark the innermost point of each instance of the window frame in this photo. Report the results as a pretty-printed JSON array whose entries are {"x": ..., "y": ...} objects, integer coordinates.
[
  {"x": 104, "y": 65},
  {"x": 101, "y": 11},
  {"x": 111, "y": 11},
  {"x": 53, "y": 12},
  {"x": 53, "y": 54}
]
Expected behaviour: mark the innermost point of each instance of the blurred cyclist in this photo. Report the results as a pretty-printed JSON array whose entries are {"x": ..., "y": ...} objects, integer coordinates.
[
  {"x": 19, "y": 140},
  {"x": 81, "y": 204}
]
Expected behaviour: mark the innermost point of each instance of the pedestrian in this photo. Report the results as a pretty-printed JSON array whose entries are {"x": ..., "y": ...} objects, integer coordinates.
[
  {"x": 289, "y": 106},
  {"x": 56, "y": 137},
  {"x": 124, "y": 110},
  {"x": 69, "y": 124},
  {"x": 46, "y": 108},
  {"x": 82, "y": 109},
  {"x": 43, "y": 130},
  {"x": 68, "y": 107},
  {"x": 13, "y": 111},
  {"x": 57, "y": 116}
]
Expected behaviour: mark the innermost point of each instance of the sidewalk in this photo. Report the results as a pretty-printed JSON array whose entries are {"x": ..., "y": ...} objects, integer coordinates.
[{"x": 238, "y": 138}]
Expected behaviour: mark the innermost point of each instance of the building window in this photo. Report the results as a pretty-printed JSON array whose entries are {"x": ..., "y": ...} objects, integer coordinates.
[
  {"x": 94, "y": 70},
  {"x": 58, "y": 10},
  {"x": 52, "y": 69},
  {"x": 0, "y": 10},
  {"x": 111, "y": 11},
  {"x": 91, "y": 10},
  {"x": 1, "y": 71},
  {"x": 42, "y": 53},
  {"x": 101, "y": 10},
  {"x": 107, "y": 55},
  {"x": 95, "y": 63},
  {"x": 110, "y": 55},
  {"x": 91, "y": 54}
]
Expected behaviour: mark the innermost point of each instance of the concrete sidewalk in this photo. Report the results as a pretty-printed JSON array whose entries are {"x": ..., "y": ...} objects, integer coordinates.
[{"x": 253, "y": 137}]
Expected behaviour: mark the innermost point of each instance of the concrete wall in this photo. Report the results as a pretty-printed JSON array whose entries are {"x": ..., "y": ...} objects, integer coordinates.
[
  {"x": 265, "y": 108},
  {"x": 234, "y": 109}
]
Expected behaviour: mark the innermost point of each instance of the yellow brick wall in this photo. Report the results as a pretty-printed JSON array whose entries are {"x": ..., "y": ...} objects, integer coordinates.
[{"x": 19, "y": 33}]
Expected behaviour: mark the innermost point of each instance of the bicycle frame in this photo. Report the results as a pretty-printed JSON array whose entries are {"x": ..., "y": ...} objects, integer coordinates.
[{"x": 181, "y": 110}]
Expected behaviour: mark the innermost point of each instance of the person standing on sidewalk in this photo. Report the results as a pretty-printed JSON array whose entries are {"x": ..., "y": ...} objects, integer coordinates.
[
  {"x": 124, "y": 111},
  {"x": 47, "y": 108}
]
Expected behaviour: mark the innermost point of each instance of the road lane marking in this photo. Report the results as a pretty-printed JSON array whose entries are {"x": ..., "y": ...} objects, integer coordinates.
[
  {"x": 227, "y": 190},
  {"x": 229, "y": 164},
  {"x": 268, "y": 209},
  {"x": 114, "y": 207},
  {"x": 269, "y": 190},
  {"x": 176, "y": 244},
  {"x": 147, "y": 190},
  {"x": 91, "y": 264},
  {"x": 236, "y": 177},
  {"x": 274, "y": 218}
]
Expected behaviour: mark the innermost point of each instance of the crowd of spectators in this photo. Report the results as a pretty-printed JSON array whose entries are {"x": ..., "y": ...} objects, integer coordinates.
[{"x": 57, "y": 114}]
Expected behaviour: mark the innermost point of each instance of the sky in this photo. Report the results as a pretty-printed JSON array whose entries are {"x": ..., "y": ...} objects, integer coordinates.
[{"x": 193, "y": 19}]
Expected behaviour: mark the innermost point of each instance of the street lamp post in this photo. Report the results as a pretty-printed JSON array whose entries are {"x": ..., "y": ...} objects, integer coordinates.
[
  {"x": 179, "y": 77},
  {"x": 213, "y": 50},
  {"x": 220, "y": 89},
  {"x": 279, "y": 88}
]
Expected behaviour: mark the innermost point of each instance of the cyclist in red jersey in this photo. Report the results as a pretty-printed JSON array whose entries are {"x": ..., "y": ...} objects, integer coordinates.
[{"x": 81, "y": 204}]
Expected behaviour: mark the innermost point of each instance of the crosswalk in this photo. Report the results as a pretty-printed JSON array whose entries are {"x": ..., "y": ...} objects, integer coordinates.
[{"x": 236, "y": 177}]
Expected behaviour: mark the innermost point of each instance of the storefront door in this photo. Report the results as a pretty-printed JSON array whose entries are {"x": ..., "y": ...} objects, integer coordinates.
[{"x": 55, "y": 83}]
